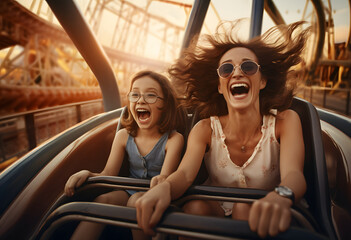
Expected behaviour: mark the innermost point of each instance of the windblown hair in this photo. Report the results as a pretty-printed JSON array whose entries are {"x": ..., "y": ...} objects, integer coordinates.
[
  {"x": 277, "y": 51},
  {"x": 172, "y": 116}
]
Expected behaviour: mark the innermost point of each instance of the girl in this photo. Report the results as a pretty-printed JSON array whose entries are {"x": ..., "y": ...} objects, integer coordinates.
[
  {"x": 248, "y": 137},
  {"x": 152, "y": 145}
]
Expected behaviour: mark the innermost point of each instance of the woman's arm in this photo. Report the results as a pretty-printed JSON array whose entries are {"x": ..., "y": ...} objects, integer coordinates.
[
  {"x": 292, "y": 153},
  {"x": 173, "y": 150},
  {"x": 112, "y": 166},
  {"x": 199, "y": 139},
  {"x": 154, "y": 202},
  {"x": 271, "y": 214}
]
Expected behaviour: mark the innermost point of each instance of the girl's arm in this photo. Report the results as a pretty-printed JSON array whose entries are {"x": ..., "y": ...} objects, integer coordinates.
[
  {"x": 272, "y": 214},
  {"x": 154, "y": 202},
  {"x": 115, "y": 159},
  {"x": 174, "y": 147},
  {"x": 112, "y": 166}
]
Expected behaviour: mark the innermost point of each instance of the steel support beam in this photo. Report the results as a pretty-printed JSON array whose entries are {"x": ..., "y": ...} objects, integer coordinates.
[
  {"x": 256, "y": 18},
  {"x": 72, "y": 20},
  {"x": 195, "y": 23}
]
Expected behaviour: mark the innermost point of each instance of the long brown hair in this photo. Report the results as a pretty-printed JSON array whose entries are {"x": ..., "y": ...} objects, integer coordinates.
[
  {"x": 277, "y": 51},
  {"x": 172, "y": 116}
]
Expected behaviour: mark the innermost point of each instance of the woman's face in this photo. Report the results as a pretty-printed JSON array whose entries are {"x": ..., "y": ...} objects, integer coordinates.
[
  {"x": 147, "y": 115},
  {"x": 241, "y": 90}
]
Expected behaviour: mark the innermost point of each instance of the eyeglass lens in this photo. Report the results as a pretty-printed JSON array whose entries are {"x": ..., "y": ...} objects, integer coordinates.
[{"x": 148, "y": 97}]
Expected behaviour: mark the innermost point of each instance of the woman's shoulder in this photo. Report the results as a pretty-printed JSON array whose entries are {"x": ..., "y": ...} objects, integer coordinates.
[
  {"x": 287, "y": 115},
  {"x": 203, "y": 123},
  {"x": 202, "y": 128},
  {"x": 287, "y": 119}
]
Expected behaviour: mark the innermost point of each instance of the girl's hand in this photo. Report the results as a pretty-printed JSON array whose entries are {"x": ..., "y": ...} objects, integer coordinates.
[
  {"x": 157, "y": 180},
  {"x": 75, "y": 181},
  {"x": 151, "y": 206},
  {"x": 270, "y": 215}
]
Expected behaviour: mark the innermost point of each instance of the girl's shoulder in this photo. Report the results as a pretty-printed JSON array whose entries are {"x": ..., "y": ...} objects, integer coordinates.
[
  {"x": 122, "y": 136},
  {"x": 175, "y": 139},
  {"x": 123, "y": 132},
  {"x": 175, "y": 136}
]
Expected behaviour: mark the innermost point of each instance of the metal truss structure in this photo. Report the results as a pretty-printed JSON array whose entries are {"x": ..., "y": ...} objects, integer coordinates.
[{"x": 40, "y": 62}]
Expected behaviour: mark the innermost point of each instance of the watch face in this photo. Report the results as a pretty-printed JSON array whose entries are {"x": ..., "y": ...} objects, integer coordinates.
[{"x": 283, "y": 191}]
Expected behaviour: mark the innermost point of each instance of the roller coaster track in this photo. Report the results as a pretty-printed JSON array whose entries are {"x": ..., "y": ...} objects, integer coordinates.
[
  {"x": 17, "y": 24},
  {"x": 39, "y": 81},
  {"x": 45, "y": 71}
]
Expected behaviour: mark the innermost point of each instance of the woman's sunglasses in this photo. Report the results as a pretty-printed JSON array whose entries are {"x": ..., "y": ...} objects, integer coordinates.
[{"x": 247, "y": 67}]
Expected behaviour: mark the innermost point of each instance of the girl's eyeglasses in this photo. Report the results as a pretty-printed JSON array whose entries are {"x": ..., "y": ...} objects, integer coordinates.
[
  {"x": 247, "y": 67},
  {"x": 148, "y": 97}
]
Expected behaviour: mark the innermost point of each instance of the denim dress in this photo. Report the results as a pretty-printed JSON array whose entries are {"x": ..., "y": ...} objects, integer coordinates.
[{"x": 148, "y": 166}]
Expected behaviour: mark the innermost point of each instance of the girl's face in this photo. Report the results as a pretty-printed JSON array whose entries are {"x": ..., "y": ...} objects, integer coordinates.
[
  {"x": 146, "y": 114},
  {"x": 240, "y": 89}
]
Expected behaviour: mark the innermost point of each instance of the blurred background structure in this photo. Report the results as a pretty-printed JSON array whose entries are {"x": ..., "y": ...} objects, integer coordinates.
[{"x": 47, "y": 87}]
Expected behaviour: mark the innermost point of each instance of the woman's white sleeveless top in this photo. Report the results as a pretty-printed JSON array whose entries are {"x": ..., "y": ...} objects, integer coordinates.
[{"x": 260, "y": 171}]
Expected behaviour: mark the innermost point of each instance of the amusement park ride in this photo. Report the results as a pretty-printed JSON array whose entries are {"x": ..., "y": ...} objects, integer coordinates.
[{"x": 47, "y": 69}]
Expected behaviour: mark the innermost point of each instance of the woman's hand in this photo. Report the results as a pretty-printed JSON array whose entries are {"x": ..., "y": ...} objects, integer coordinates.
[
  {"x": 270, "y": 215},
  {"x": 75, "y": 181},
  {"x": 157, "y": 180},
  {"x": 151, "y": 206}
]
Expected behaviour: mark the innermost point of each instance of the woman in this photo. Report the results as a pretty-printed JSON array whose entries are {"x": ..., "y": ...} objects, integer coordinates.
[{"x": 248, "y": 136}]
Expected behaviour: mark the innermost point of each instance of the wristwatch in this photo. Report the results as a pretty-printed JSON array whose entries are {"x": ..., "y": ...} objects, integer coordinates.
[{"x": 285, "y": 192}]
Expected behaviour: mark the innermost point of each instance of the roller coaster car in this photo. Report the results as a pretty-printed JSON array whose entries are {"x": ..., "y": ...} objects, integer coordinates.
[{"x": 32, "y": 205}]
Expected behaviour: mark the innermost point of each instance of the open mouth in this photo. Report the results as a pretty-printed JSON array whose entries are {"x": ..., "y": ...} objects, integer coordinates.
[
  {"x": 143, "y": 114},
  {"x": 239, "y": 88}
]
